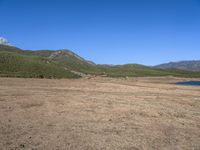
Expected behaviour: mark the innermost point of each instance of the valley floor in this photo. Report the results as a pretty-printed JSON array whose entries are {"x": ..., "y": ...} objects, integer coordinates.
[{"x": 99, "y": 114}]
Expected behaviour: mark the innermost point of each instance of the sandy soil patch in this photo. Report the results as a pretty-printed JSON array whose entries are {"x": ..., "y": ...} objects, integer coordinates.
[{"x": 99, "y": 114}]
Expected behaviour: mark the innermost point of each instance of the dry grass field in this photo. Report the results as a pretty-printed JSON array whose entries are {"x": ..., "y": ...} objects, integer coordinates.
[{"x": 99, "y": 114}]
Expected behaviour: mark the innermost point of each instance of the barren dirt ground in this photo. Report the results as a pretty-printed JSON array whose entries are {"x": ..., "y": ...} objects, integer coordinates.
[{"x": 99, "y": 114}]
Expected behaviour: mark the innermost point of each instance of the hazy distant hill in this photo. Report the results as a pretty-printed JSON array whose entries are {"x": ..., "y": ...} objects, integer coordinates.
[
  {"x": 15, "y": 62},
  {"x": 4, "y": 41},
  {"x": 182, "y": 65}
]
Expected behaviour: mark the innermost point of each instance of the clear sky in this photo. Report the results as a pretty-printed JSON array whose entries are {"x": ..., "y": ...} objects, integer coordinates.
[{"x": 106, "y": 31}]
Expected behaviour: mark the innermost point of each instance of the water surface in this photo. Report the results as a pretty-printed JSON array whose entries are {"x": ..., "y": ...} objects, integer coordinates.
[{"x": 193, "y": 83}]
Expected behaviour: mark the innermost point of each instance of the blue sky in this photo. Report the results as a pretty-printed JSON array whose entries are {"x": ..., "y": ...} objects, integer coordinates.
[{"x": 106, "y": 31}]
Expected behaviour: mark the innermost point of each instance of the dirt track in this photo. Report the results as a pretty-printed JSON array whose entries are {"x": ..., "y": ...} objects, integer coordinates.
[{"x": 99, "y": 114}]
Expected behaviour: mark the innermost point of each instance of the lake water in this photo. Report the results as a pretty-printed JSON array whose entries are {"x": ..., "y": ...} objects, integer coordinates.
[{"x": 193, "y": 83}]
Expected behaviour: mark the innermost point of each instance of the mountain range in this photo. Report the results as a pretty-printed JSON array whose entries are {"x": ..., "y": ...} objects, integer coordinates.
[
  {"x": 193, "y": 65},
  {"x": 64, "y": 63}
]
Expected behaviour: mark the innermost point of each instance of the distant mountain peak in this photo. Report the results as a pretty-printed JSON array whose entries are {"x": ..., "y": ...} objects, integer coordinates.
[
  {"x": 193, "y": 65},
  {"x": 4, "y": 41}
]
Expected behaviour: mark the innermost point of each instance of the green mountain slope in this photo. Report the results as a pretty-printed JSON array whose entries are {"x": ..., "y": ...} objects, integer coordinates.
[
  {"x": 15, "y": 62},
  {"x": 18, "y": 63},
  {"x": 134, "y": 70}
]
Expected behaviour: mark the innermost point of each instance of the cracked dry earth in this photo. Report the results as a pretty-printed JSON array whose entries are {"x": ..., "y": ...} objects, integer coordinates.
[{"x": 99, "y": 114}]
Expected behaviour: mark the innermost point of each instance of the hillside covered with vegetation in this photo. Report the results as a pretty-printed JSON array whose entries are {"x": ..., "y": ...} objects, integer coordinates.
[{"x": 15, "y": 62}]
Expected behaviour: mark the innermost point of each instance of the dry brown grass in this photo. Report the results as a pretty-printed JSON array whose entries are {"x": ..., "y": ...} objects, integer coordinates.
[{"x": 99, "y": 114}]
